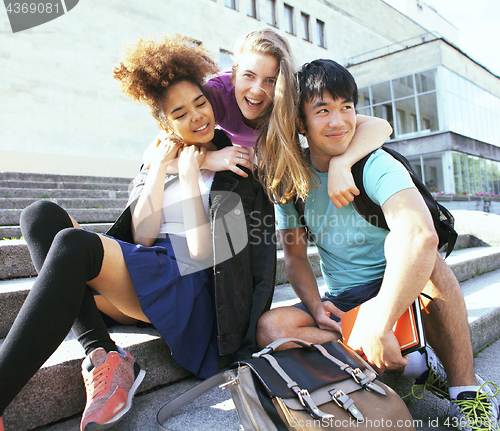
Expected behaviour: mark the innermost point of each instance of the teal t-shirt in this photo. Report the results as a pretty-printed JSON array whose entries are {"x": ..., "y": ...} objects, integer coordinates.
[{"x": 350, "y": 248}]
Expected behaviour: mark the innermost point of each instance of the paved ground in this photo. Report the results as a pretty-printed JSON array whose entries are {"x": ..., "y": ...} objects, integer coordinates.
[{"x": 215, "y": 410}]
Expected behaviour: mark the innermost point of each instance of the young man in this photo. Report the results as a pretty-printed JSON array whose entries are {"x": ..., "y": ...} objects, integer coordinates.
[{"x": 361, "y": 262}]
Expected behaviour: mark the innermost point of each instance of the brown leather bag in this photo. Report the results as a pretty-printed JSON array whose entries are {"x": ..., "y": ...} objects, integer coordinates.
[{"x": 313, "y": 387}]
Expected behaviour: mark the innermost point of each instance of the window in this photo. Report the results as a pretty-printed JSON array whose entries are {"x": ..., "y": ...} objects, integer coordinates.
[
  {"x": 225, "y": 59},
  {"x": 430, "y": 170},
  {"x": 320, "y": 31},
  {"x": 271, "y": 12},
  {"x": 251, "y": 8},
  {"x": 475, "y": 175},
  {"x": 305, "y": 26},
  {"x": 230, "y": 3},
  {"x": 289, "y": 19},
  {"x": 411, "y": 99}
]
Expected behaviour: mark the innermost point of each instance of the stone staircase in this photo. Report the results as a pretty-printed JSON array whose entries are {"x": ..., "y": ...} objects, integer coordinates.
[{"x": 56, "y": 391}]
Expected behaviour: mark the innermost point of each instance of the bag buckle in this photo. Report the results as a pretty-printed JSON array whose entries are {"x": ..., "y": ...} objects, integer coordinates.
[
  {"x": 306, "y": 400},
  {"x": 364, "y": 380},
  {"x": 233, "y": 381},
  {"x": 346, "y": 402}
]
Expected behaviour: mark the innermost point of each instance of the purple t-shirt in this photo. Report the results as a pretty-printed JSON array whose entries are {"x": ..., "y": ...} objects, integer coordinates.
[{"x": 220, "y": 92}]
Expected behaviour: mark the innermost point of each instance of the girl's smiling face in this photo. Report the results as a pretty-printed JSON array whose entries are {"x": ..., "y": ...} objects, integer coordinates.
[
  {"x": 254, "y": 84},
  {"x": 189, "y": 114}
]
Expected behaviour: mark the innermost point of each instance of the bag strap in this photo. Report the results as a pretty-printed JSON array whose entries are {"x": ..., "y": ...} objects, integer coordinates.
[
  {"x": 302, "y": 394},
  {"x": 187, "y": 397},
  {"x": 358, "y": 375},
  {"x": 277, "y": 343}
]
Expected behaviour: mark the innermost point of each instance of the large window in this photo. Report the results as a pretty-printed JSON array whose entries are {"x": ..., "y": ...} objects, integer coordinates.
[
  {"x": 252, "y": 8},
  {"x": 468, "y": 109},
  {"x": 409, "y": 103},
  {"x": 320, "y": 33},
  {"x": 475, "y": 175},
  {"x": 304, "y": 18},
  {"x": 429, "y": 168},
  {"x": 271, "y": 12},
  {"x": 289, "y": 28},
  {"x": 471, "y": 174}
]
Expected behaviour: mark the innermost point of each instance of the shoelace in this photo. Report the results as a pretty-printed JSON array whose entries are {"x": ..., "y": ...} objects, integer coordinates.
[
  {"x": 433, "y": 383},
  {"x": 97, "y": 380},
  {"x": 480, "y": 404}
]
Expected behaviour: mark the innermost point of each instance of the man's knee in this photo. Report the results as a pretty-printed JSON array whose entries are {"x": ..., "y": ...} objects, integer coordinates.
[
  {"x": 281, "y": 322},
  {"x": 443, "y": 283}
]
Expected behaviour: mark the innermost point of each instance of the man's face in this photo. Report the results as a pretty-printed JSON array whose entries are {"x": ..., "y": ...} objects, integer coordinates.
[{"x": 329, "y": 128}]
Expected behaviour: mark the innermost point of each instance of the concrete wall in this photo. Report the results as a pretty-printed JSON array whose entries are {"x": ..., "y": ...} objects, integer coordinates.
[
  {"x": 423, "y": 57},
  {"x": 445, "y": 141},
  {"x": 427, "y": 17},
  {"x": 61, "y": 111}
]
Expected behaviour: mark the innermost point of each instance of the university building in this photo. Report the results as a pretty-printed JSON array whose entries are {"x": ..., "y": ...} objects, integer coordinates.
[{"x": 62, "y": 112}]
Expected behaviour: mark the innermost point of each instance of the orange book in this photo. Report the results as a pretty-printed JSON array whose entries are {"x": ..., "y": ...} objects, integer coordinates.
[{"x": 409, "y": 329}]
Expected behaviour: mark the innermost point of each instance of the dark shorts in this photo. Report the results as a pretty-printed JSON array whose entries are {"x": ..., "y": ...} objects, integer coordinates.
[{"x": 350, "y": 298}]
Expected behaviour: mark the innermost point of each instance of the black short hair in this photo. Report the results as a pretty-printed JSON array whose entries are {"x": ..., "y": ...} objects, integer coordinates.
[{"x": 322, "y": 75}]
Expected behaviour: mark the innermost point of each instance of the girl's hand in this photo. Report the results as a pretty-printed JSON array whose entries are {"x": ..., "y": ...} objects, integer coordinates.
[
  {"x": 228, "y": 158},
  {"x": 341, "y": 186},
  {"x": 166, "y": 150},
  {"x": 191, "y": 158}
]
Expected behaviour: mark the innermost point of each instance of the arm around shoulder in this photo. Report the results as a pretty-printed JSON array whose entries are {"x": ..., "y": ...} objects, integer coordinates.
[{"x": 371, "y": 133}]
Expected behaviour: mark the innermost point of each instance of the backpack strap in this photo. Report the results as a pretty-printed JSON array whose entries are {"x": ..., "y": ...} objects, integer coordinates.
[
  {"x": 371, "y": 212},
  {"x": 366, "y": 208}
]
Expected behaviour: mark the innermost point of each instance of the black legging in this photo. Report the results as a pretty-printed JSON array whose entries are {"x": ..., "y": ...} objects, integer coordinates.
[{"x": 65, "y": 259}]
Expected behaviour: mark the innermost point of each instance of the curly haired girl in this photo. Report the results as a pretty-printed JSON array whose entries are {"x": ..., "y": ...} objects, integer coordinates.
[{"x": 165, "y": 260}]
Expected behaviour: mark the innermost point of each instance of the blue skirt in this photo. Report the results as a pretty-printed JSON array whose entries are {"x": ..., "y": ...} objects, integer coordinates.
[{"x": 178, "y": 301}]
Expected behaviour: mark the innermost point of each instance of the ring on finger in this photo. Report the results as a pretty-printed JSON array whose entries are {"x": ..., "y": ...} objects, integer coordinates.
[
  {"x": 241, "y": 155},
  {"x": 238, "y": 161}
]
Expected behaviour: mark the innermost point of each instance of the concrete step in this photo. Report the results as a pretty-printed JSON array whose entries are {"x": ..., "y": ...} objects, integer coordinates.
[
  {"x": 46, "y": 193},
  {"x": 56, "y": 391},
  {"x": 9, "y": 184},
  {"x": 215, "y": 410},
  {"x": 465, "y": 263},
  {"x": 22, "y": 176},
  {"x": 93, "y": 203},
  {"x": 14, "y": 232},
  {"x": 471, "y": 262},
  {"x": 81, "y": 215},
  {"x": 16, "y": 263}
]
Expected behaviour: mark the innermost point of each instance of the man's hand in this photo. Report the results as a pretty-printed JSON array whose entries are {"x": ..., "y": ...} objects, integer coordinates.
[
  {"x": 379, "y": 347},
  {"x": 322, "y": 314}
]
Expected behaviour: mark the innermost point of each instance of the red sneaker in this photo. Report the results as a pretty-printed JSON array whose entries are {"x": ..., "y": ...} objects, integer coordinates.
[
  {"x": 1, "y": 424},
  {"x": 110, "y": 381}
]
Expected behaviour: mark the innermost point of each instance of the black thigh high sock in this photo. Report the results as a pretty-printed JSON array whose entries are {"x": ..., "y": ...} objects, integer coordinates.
[
  {"x": 40, "y": 223},
  {"x": 50, "y": 309}
]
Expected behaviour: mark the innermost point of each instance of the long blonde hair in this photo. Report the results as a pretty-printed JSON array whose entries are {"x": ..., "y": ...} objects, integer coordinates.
[{"x": 283, "y": 170}]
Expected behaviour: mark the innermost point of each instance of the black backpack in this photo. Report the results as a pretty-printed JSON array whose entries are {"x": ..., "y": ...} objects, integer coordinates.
[{"x": 371, "y": 212}]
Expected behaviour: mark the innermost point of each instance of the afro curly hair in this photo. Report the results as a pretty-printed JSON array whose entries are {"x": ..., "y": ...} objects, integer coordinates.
[{"x": 150, "y": 67}]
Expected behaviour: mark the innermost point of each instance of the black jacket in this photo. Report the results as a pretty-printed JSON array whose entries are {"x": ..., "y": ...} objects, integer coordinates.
[{"x": 243, "y": 229}]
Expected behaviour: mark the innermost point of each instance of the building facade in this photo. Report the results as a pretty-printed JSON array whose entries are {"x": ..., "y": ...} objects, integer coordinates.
[{"x": 61, "y": 111}]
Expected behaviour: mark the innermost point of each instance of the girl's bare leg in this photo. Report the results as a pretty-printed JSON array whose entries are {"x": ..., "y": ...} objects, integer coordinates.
[{"x": 114, "y": 282}]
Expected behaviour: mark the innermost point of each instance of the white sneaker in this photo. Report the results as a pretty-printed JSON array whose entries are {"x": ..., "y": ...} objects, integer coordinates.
[
  {"x": 434, "y": 379},
  {"x": 473, "y": 411}
]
